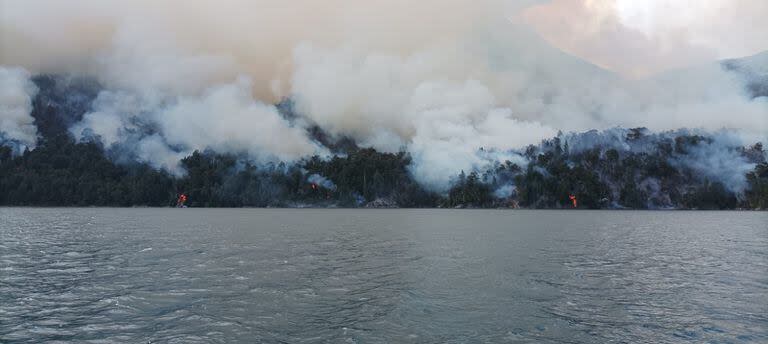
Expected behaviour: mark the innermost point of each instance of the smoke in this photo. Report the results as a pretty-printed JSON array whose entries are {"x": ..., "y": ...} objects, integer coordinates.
[
  {"x": 504, "y": 191},
  {"x": 224, "y": 118},
  {"x": 227, "y": 119},
  {"x": 717, "y": 156},
  {"x": 17, "y": 128},
  {"x": 148, "y": 42},
  {"x": 640, "y": 38},
  {"x": 454, "y": 122},
  {"x": 719, "y": 159},
  {"x": 455, "y": 83}
]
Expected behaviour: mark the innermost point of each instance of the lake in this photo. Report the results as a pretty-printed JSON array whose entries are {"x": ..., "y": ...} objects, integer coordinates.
[{"x": 382, "y": 275}]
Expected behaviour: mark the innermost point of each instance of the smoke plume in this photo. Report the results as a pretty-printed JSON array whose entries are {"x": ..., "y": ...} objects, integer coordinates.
[
  {"x": 17, "y": 128},
  {"x": 455, "y": 83}
]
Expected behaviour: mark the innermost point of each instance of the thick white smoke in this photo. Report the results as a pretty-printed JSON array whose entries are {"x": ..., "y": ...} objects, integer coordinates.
[
  {"x": 440, "y": 79},
  {"x": 224, "y": 118},
  {"x": 17, "y": 128},
  {"x": 453, "y": 122},
  {"x": 442, "y": 117},
  {"x": 227, "y": 119}
]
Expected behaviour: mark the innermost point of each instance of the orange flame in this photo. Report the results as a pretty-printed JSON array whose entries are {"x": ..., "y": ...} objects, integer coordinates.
[{"x": 182, "y": 199}]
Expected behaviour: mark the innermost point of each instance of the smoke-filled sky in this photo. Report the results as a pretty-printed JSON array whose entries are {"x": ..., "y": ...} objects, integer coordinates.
[
  {"x": 641, "y": 37},
  {"x": 438, "y": 78},
  {"x": 628, "y": 36}
]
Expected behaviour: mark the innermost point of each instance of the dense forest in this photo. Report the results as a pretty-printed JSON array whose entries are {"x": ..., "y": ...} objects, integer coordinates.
[
  {"x": 613, "y": 169},
  {"x": 61, "y": 172}
]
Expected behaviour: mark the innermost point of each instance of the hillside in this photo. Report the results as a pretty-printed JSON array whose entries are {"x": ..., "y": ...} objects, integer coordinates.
[{"x": 610, "y": 169}]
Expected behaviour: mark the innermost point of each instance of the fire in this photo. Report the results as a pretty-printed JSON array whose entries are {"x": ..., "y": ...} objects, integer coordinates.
[
  {"x": 573, "y": 199},
  {"x": 182, "y": 199}
]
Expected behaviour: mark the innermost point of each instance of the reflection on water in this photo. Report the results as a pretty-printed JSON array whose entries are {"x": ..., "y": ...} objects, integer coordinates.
[{"x": 279, "y": 275}]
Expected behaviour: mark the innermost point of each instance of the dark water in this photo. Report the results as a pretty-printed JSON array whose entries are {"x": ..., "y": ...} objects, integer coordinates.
[{"x": 370, "y": 276}]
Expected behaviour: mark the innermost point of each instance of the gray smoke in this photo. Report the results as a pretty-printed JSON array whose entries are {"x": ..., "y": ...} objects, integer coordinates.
[{"x": 718, "y": 157}]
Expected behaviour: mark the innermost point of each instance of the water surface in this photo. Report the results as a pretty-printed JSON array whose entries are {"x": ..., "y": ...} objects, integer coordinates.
[{"x": 374, "y": 276}]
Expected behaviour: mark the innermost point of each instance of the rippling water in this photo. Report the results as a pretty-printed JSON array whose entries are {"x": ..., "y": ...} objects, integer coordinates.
[{"x": 367, "y": 276}]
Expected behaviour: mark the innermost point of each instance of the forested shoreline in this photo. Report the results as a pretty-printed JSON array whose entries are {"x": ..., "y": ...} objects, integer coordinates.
[
  {"x": 61, "y": 172},
  {"x": 610, "y": 169}
]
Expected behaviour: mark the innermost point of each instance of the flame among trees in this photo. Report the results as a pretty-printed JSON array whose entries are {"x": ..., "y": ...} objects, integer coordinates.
[{"x": 61, "y": 172}]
